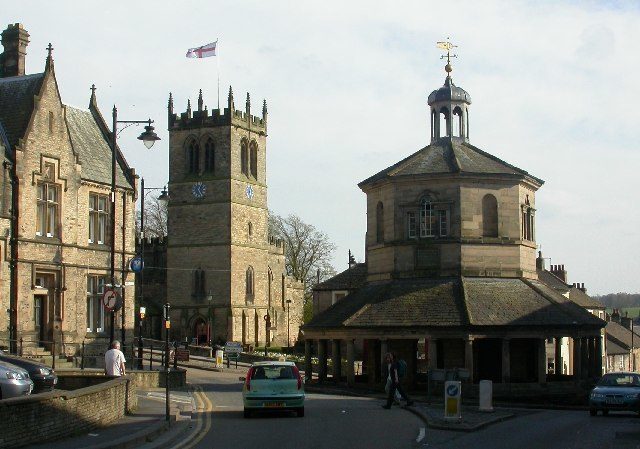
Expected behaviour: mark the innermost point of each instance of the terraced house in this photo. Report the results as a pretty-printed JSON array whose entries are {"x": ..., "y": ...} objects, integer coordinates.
[{"x": 55, "y": 211}]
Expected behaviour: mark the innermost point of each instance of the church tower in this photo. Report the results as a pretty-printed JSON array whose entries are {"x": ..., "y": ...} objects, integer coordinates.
[{"x": 226, "y": 276}]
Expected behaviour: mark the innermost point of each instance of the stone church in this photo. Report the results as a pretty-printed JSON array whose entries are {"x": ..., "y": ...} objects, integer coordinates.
[
  {"x": 226, "y": 277},
  {"x": 450, "y": 280}
]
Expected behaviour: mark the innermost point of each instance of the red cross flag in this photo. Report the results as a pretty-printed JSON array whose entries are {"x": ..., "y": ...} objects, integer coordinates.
[{"x": 204, "y": 51}]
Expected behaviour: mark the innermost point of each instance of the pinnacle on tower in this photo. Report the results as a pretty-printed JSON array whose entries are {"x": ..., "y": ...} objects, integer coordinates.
[
  {"x": 230, "y": 99},
  {"x": 248, "y": 106},
  {"x": 200, "y": 100},
  {"x": 170, "y": 105},
  {"x": 189, "y": 107},
  {"x": 264, "y": 110}
]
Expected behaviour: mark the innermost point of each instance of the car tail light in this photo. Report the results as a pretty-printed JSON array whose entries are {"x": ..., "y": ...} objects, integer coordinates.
[
  {"x": 296, "y": 371},
  {"x": 247, "y": 382}
]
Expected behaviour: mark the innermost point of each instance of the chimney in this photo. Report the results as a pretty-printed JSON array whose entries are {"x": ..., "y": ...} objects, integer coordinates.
[
  {"x": 540, "y": 261},
  {"x": 559, "y": 272},
  {"x": 12, "y": 61},
  {"x": 615, "y": 316}
]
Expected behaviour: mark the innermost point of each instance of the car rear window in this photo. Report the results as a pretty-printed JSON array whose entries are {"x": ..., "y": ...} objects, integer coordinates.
[{"x": 272, "y": 372}]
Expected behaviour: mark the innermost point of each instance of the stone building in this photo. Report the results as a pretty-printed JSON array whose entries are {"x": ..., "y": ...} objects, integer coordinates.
[
  {"x": 54, "y": 210},
  {"x": 226, "y": 277},
  {"x": 451, "y": 277}
]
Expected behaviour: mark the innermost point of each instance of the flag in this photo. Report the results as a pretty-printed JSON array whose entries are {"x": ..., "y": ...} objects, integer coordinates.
[{"x": 204, "y": 51}]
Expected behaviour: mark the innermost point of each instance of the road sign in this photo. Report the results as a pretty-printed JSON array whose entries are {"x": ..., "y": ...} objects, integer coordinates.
[
  {"x": 136, "y": 264},
  {"x": 111, "y": 300}
]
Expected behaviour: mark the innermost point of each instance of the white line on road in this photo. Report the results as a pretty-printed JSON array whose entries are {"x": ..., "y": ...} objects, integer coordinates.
[{"x": 421, "y": 435}]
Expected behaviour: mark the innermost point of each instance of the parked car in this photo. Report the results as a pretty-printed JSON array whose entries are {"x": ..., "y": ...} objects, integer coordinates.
[
  {"x": 271, "y": 386},
  {"x": 14, "y": 381},
  {"x": 43, "y": 377},
  {"x": 615, "y": 391}
]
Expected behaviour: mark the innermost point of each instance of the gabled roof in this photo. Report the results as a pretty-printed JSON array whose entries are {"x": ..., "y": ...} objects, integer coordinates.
[
  {"x": 621, "y": 336},
  {"x": 455, "y": 302},
  {"x": 16, "y": 103},
  {"x": 553, "y": 281},
  {"x": 350, "y": 279},
  {"x": 582, "y": 299},
  {"x": 92, "y": 148},
  {"x": 450, "y": 156}
]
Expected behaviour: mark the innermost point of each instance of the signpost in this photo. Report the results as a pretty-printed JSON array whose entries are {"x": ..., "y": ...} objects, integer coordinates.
[
  {"x": 232, "y": 350},
  {"x": 452, "y": 397},
  {"x": 111, "y": 300},
  {"x": 182, "y": 354}
]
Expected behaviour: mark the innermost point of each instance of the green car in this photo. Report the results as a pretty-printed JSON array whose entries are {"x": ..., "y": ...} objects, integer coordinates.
[{"x": 273, "y": 386}]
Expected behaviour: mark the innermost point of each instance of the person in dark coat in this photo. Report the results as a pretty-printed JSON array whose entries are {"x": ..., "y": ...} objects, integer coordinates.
[{"x": 392, "y": 375}]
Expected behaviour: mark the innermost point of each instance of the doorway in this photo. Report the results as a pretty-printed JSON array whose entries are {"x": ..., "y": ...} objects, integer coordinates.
[{"x": 39, "y": 318}]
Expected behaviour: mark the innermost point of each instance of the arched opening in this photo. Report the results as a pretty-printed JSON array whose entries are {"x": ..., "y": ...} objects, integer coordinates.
[
  {"x": 249, "y": 284},
  {"x": 435, "y": 133},
  {"x": 200, "y": 331},
  {"x": 489, "y": 216},
  {"x": 457, "y": 122},
  {"x": 254, "y": 159},
  {"x": 244, "y": 157},
  {"x": 250, "y": 229},
  {"x": 209, "y": 156},
  {"x": 444, "y": 123},
  {"x": 193, "y": 157},
  {"x": 380, "y": 223}
]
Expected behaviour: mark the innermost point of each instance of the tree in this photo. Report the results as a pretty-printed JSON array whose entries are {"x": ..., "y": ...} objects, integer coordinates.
[
  {"x": 155, "y": 218},
  {"x": 307, "y": 250}
]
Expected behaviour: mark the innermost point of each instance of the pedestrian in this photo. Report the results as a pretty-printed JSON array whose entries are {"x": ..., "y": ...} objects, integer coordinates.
[
  {"x": 114, "y": 360},
  {"x": 394, "y": 381}
]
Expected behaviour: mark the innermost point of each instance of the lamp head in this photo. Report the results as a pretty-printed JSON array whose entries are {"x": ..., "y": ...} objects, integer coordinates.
[
  {"x": 148, "y": 137},
  {"x": 164, "y": 196}
]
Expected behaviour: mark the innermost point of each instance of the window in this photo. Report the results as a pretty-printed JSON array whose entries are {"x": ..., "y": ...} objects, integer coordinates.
[
  {"x": 443, "y": 223},
  {"x": 250, "y": 229},
  {"x": 98, "y": 215},
  {"x": 249, "y": 284},
  {"x": 528, "y": 218},
  {"x": 199, "y": 286},
  {"x": 244, "y": 157},
  {"x": 254, "y": 159},
  {"x": 193, "y": 157},
  {"x": 427, "y": 219},
  {"x": 95, "y": 311},
  {"x": 380, "y": 222},
  {"x": 489, "y": 216},
  {"x": 209, "y": 156},
  {"x": 48, "y": 209},
  {"x": 411, "y": 225}
]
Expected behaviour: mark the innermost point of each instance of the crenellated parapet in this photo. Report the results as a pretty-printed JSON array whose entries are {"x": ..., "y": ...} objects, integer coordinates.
[
  {"x": 276, "y": 245},
  {"x": 202, "y": 116}
]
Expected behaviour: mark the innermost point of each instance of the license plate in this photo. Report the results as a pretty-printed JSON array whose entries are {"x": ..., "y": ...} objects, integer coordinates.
[
  {"x": 274, "y": 404},
  {"x": 614, "y": 401}
]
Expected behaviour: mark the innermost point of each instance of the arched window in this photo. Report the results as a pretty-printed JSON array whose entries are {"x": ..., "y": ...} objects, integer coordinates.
[
  {"x": 428, "y": 220},
  {"x": 445, "y": 129},
  {"x": 209, "y": 156},
  {"x": 457, "y": 123},
  {"x": 380, "y": 222},
  {"x": 244, "y": 157},
  {"x": 250, "y": 229},
  {"x": 254, "y": 159},
  {"x": 249, "y": 284},
  {"x": 199, "y": 286},
  {"x": 193, "y": 157},
  {"x": 489, "y": 216}
]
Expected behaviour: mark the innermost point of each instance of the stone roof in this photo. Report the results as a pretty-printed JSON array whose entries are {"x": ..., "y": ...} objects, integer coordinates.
[
  {"x": 92, "y": 148},
  {"x": 582, "y": 299},
  {"x": 450, "y": 156},
  {"x": 454, "y": 302},
  {"x": 350, "y": 279},
  {"x": 553, "y": 281},
  {"x": 621, "y": 336},
  {"x": 16, "y": 104}
]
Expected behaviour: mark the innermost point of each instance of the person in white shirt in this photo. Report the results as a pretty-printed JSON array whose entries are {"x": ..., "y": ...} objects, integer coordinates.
[{"x": 114, "y": 360}]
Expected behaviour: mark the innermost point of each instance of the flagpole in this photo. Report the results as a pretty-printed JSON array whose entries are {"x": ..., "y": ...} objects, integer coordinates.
[{"x": 218, "y": 70}]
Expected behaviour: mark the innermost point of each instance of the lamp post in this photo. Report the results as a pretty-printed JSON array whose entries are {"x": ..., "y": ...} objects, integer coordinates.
[
  {"x": 148, "y": 137},
  {"x": 140, "y": 344},
  {"x": 209, "y": 298},
  {"x": 288, "y": 339},
  {"x": 167, "y": 326}
]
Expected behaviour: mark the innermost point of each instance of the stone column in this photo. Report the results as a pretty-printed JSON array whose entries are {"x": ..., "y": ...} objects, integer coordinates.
[
  {"x": 598, "y": 355},
  {"x": 371, "y": 362},
  {"x": 351, "y": 375},
  {"x": 591, "y": 344},
  {"x": 506, "y": 360},
  {"x": 384, "y": 348},
  {"x": 336, "y": 358},
  {"x": 577, "y": 358},
  {"x": 322, "y": 360},
  {"x": 468, "y": 357},
  {"x": 433, "y": 353},
  {"x": 542, "y": 360},
  {"x": 558, "y": 355},
  {"x": 308, "y": 368},
  {"x": 584, "y": 356}
]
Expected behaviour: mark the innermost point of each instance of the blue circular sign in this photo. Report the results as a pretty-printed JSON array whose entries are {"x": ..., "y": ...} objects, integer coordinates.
[
  {"x": 136, "y": 264},
  {"x": 452, "y": 390}
]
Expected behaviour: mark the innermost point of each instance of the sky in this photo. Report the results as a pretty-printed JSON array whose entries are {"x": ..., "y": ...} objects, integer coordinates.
[{"x": 553, "y": 85}]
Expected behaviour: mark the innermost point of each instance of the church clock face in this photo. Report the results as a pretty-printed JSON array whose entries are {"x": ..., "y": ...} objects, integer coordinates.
[
  {"x": 249, "y": 192},
  {"x": 198, "y": 190}
]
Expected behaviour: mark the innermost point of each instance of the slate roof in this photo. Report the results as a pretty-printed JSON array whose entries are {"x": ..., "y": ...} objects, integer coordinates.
[
  {"x": 454, "y": 302},
  {"x": 16, "y": 103},
  {"x": 92, "y": 148},
  {"x": 621, "y": 336},
  {"x": 450, "y": 156},
  {"x": 582, "y": 299},
  {"x": 350, "y": 279},
  {"x": 552, "y": 280}
]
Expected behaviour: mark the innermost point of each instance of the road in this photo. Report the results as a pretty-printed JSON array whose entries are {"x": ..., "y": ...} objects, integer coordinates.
[{"x": 330, "y": 421}]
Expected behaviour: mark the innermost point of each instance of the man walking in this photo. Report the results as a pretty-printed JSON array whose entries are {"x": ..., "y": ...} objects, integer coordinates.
[
  {"x": 392, "y": 376},
  {"x": 114, "y": 360}
]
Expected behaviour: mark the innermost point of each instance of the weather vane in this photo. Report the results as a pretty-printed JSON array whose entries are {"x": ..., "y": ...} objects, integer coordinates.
[{"x": 448, "y": 46}]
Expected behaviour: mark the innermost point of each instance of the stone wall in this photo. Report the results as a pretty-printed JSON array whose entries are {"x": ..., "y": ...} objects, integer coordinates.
[
  {"x": 58, "y": 414},
  {"x": 72, "y": 379}
]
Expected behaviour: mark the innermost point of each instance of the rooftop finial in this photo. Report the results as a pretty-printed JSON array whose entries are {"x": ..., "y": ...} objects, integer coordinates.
[
  {"x": 49, "y": 55},
  {"x": 200, "y": 100},
  {"x": 448, "y": 46},
  {"x": 92, "y": 100}
]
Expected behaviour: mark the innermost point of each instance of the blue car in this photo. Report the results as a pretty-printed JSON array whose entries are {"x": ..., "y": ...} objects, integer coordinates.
[{"x": 616, "y": 392}]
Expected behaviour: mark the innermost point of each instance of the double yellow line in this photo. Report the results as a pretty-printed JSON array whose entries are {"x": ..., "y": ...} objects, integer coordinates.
[{"x": 204, "y": 409}]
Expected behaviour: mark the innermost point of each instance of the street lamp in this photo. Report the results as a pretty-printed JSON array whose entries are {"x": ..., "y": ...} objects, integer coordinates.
[
  {"x": 167, "y": 326},
  {"x": 209, "y": 299},
  {"x": 140, "y": 318},
  {"x": 288, "y": 339},
  {"x": 148, "y": 137}
]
